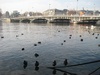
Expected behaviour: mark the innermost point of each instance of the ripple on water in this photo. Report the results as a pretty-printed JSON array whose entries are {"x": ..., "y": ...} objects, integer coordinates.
[{"x": 50, "y": 49}]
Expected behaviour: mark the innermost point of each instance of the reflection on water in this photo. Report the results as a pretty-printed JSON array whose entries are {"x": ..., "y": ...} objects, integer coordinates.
[
  {"x": 0, "y": 23},
  {"x": 50, "y": 48}
]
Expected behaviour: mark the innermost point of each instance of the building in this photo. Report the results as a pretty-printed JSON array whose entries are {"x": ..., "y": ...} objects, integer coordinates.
[
  {"x": 72, "y": 12},
  {"x": 55, "y": 12},
  {"x": 97, "y": 12}
]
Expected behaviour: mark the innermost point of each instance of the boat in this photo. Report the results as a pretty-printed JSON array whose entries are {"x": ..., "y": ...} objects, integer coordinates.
[
  {"x": 89, "y": 21},
  {"x": 60, "y": 21},
  {"x": 39, "y": 20}
]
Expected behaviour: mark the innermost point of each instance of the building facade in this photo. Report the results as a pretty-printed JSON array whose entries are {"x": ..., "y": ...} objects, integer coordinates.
[{"x": 55, "y": 12}]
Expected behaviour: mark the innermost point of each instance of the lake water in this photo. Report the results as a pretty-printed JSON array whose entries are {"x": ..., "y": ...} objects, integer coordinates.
[{"x": 52, "y": 48}]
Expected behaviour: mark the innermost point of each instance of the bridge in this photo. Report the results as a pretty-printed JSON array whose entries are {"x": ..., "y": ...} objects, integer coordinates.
[{"x": 74, "y": 18}]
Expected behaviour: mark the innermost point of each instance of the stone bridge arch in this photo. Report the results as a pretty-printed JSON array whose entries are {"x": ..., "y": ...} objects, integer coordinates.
[
  {"x": 39, "y": 20},
  {"x": 25, "y": 21},
  {"x": 15, "y": 20}
]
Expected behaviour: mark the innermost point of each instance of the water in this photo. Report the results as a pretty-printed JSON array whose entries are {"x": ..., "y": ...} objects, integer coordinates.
[{"x": 50, "y": 49}]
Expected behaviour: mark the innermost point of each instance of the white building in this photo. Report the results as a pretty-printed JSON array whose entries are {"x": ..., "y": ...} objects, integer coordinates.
[{"x": 55, "y": 12}]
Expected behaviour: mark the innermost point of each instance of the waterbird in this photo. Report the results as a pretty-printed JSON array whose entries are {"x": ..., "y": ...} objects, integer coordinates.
[
  {"x": 35, "y": 44},
  {"x": 98, "y": 34},
  {"x": 59, "y": 31},
  {"x": 65, "y": 62},
  {"x": 93, "y": 34},
  {"x": 61, "y": 43},
  {"x": 39, "y": 42},
  {"x": 81, "y": 39},
  {"x": 16, "y": 35},
  {"x": 80, "y": 35},
  {"x": 25, "y": 63},
  {"x": 54, "y": 63},
  {"x": 2, "y": 36},
  {"x": 69, "y": 37},
  {"x": 96, "y": 37},
  {"x": 23, "y": 49},
  {"x": 98, "y": 45},
  {"x": 22, "y": 34},
  {"x": 36, "y": 64},
  {"x": 64, "y": 40},
  {"x": 36, "y": 55}
]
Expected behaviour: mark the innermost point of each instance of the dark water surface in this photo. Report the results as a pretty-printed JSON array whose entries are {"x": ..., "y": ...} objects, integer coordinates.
[{"x": 51, "y": 37}]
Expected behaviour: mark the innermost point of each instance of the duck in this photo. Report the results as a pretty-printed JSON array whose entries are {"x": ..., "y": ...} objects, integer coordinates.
[
  {"x": 22, "y": 34},
  {"x": 69, "y": 37},
  {"x": 16, "y": 35},
  {"x": 35, "y": 44},
  {"x": 59, "y": 31},
  {"x": 23, "y": 49},
  {"x": 98, "y": 34},
  {"x": 93, "y": 34},
  {"x": 36, "y": 55},
  {"x": 64, "y": 40},
  {"x": 54, "y": 63},
  {"x": 96, "y": 37},
  {"x": 61, "y": 43},
  {"x": 36, "y": 64},
  {"x": 81, "y": 39},
  {"x": 98, "y": 45},
  {"x": 25, "y": 63},
  {"x": 65, "y": 62},
  {"x": 80, "y": 35},
  {"x": 39, "y": 42},
  {"x": 2, "y": 36}
]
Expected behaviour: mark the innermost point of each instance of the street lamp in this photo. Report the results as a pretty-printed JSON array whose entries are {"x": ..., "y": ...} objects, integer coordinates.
[
  {"x": 49, "y": 6},
  {"x": 77, "y": 7},
  {"x": 49, "y": 9},
  {"x": 94, "y": 10}
]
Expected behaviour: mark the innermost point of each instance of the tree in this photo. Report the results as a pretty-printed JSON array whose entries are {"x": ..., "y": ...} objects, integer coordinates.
[
  {"x": 7, "y": 15},
  {"x": 15, "y": 14},
  {"x": 0, "y": 13}
]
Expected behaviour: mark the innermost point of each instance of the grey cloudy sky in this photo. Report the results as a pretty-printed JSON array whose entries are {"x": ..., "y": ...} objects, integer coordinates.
[{"x": 41, "y": 5}]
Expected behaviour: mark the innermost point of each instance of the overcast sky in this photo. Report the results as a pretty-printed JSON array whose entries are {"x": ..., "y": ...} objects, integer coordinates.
[{"x": 42, "y": 5}]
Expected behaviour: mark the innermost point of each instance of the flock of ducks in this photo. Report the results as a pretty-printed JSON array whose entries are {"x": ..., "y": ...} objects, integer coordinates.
[
  {"x": 65, "y": 63},
  {"x": 55, "y": 63},
  {"x": 25, "y": 63}
]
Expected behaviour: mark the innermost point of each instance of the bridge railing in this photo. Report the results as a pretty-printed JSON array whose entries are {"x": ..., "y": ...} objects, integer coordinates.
[{"x": 56, "y": 16}]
